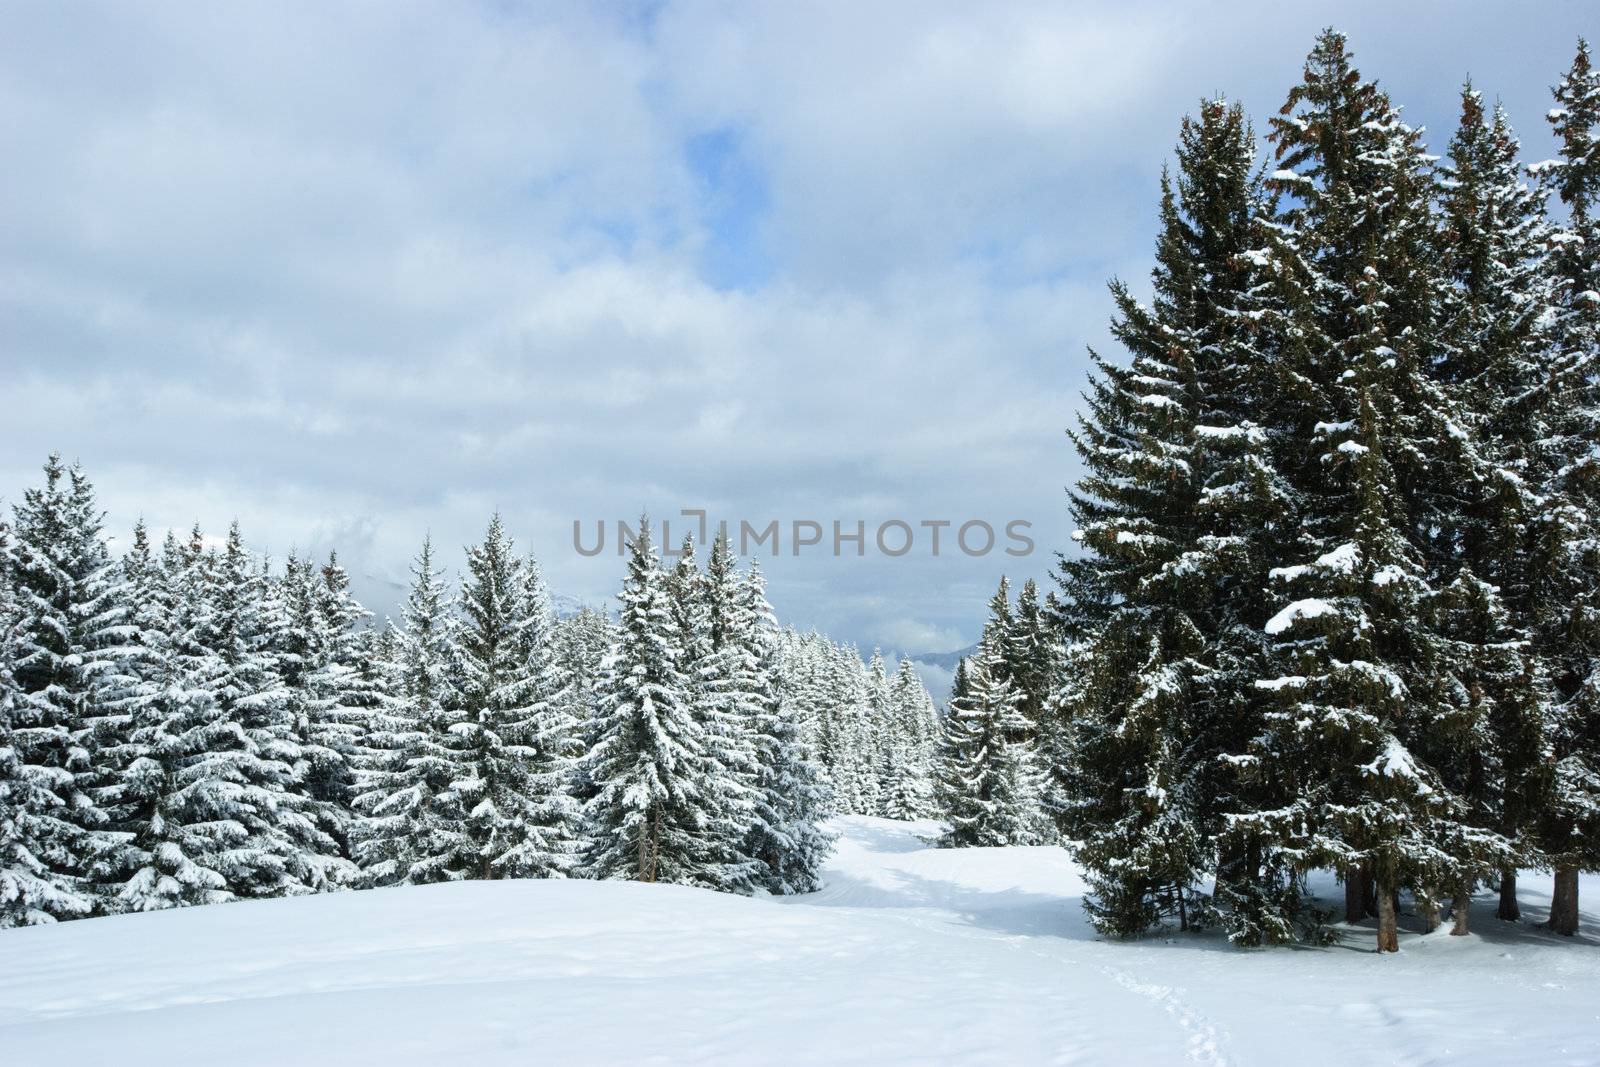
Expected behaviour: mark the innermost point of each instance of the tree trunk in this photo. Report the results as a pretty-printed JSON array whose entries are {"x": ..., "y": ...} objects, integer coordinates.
[
  {"x": 1388, "y": 920},
  {"x": 1508, "y": 909},
  {"x": 1430, "y": 912},
  {"x": 1355, "y": 886},
  {"x": 1230, "y": 858},
  {"x": 1183, "y": 910},
  {"x": 646, "y": 866},
  {"x": 1458, "y": 910},
  {"x": 1564, "y": 904},
  {"x": 1369, "y": 898}
]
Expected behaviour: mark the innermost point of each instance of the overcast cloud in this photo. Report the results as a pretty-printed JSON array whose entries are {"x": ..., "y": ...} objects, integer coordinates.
[{"x": 355, "y": 272}]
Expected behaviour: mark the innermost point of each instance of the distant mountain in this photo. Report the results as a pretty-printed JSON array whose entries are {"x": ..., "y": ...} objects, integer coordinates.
[
  {"x": 946, "y": 660},
  {"x": 567, "y": 605}
]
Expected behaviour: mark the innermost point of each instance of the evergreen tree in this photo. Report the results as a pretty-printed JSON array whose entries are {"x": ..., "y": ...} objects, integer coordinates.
[
  {"x": 647, "y": 819},
  {"x": 413, "y": 828},
  {"x": 1377, "y": 479},
  {"x": 496, "y": 683},
  {"x": 854, "y": 776},
  {"x": 65, "y": 630},
  {"x": 1492, "y": 241},
  {"x": 174, "y": 794},
  {"x": 582, "y": 642},
  {"x": 906, "y": 791},
  {"x": 791, "y": 798},
  {"x": 981, "y": 771},
  {"x": 35, "y": 836},
  {"x": 549, "y": 733},
  {"x": 1567, "y": 556},
  {"x": 879, "y": 744},
  {"x": 1030, "y": 653},
  {"x": 732, "y": 702},
  {"x": 319, "y": 735},
  {"x": 341, "y": 685},
  {"x": 1177, "y": 486}
]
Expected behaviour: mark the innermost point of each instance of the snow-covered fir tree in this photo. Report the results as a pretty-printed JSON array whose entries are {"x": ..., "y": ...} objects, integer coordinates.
[
  {"x": 63, "y": 636},
  {"x": 1567, "y": 556},
  {"x": 1031, "y": 654},
  {"x": 176, "y": 794},
  {"x": 851, "y": 734},
  {"x": 549, "y": 732},
  {"x": 342, "y": 688},
  {"x": 413, "y": 827},
  {"x": 581, "y": 643},
  {"x": 1170, "y": 454},
  {"x": 1356, "y": 655},
  {"x": 35, "y": 831},
  {"x": 647, "y": 821},
  {"x": 981, "y": 787},
  {"x": 507, "y": 822},
  {"x": 907, "y": 791},
  {"x": 323, "y": 736},
  {"x": 726, "y": 699},
  {"x": 1493, "y": 236},
  {"x": 791, "y": 797}
]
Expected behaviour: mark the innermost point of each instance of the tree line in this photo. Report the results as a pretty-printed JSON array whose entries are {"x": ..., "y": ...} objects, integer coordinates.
[
  {"x": 188, "y": 723},
  {"x": 1335, "y": 601}
]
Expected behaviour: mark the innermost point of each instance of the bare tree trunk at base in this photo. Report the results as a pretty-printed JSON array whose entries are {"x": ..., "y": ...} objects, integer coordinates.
[
  {"x": 1388, "y": 921},
  {"x": 1458, "y": 912},
  {"x": 1564, "y": 902},
  {"x": 1430, "y": 913},
  {"x": 1355, "y": 908},
  {"x": 1508, "y": 909}
]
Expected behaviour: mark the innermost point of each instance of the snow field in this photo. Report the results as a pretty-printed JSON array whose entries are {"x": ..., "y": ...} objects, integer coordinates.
[{"x": 910, "y": 955}]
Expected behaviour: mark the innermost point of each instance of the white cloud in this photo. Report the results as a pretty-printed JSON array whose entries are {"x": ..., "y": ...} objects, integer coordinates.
[{"x": 373, "y": 270}]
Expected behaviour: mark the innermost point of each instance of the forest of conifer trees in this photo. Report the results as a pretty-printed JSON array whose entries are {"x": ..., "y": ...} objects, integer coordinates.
[
  {"x": 1335, "y": 600},
  {"x": 189, "y": 723}
]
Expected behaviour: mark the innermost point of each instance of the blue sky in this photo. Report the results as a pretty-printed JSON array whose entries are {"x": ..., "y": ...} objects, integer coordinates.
[{"x": 354, "y": 272}]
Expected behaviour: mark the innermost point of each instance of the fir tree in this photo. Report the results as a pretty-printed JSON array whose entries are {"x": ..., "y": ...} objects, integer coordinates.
[
  {"x": 412, "y": 831},
  {"x": 65, "y": 629},
  {"x": 910, "y": 753},
  {"x": 340, "y": 683},
  {"x": 1567, "y": 553},
  {"x": 317, "y": 731},
  {"x": 647, "y": 819},
  {"x": 732, "y": 702},
  {"x": 786, "y": 835},
  {"x": 1492, "y": 242},
  {"x": 981, "y": 771},
  {"x": 174, "y": 795},
  {"x": 496, "y": 680},
  {"x": 34, "y": 834},
  {"x": 1177, "y": 485},
  {"x": 1356, "y": 657},
  {"x": 1031, "y": 655},
  {"x": 548, "y": 732},
  {"x": 582, "y": 642},
  {"x": 880, "y": 746}
]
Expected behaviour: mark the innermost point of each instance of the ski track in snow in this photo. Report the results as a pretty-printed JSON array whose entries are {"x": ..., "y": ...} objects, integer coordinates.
[
  {"x": 909, "y": 955},
  {"x": 1205, "y": 1044}
]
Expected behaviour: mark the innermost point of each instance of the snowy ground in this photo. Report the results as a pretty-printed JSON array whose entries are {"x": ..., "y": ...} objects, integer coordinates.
[{"x": 911, "y": 955}]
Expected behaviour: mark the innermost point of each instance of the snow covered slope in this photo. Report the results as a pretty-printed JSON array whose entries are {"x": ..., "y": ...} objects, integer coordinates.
[{"x": 911, "y": 955}]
